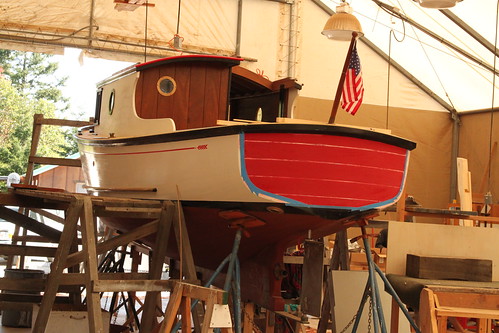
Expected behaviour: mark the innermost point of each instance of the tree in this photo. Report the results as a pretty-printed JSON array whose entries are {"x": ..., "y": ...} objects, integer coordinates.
[
  {"x": 33, "y": 74},
  {"x": 27, "y": 87}
]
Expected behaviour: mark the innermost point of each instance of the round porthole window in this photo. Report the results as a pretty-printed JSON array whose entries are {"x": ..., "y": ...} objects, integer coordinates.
[
  {"x": 112, "y": 98},
  {"x": 166, "y": 86}
]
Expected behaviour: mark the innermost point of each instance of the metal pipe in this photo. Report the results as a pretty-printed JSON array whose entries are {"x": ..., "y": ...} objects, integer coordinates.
[
  {"x": 291, "y": 40},
  {"x": 375, "y": 296},
  {"x": 430, "y": 33},
  {"x": 239, "y": 26},
  {"x": 361, "y": 308},
  {"x": 453, "y": 158},
  {"x": 392, "y": 292},
  {"x": 236, "y": 284},
  {"x": 233, "y": 258},
  {"x": 372, "y": 282}
]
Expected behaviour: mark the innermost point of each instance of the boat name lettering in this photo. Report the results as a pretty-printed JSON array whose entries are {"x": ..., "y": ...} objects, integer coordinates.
[{"x": 202, "y": 147}]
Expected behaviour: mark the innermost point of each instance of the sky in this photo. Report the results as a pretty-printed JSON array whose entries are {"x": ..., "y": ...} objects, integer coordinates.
[{"x": 82, "y": 79}]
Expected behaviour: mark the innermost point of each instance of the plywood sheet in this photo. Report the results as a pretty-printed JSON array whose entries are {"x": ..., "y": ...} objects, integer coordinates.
[
  {"x": 440, "y": 240},
  {"x": 348, "y": 290}
]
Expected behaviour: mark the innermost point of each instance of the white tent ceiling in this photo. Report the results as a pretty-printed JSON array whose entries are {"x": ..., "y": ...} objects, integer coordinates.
[{"x": 456, "y": 66}]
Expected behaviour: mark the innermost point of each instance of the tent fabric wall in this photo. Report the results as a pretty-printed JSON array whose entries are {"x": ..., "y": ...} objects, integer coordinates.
[
  {"x": 280, "y": 39},
  {"x": 476, "y": 144},
  {"x": 209, "y": 26},
  {"x": 321, "y": 63}
]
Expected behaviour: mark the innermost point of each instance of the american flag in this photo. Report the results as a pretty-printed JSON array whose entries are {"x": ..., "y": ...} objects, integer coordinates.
[{"x": 353, "y": 88}]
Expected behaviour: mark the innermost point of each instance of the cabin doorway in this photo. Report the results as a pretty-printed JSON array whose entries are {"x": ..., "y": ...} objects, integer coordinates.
[{"x": 256, "y": 108}]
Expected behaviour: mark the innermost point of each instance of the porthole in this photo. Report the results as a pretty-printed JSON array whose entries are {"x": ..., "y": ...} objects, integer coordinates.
[
  {"x": 112, "y": 98},
  {"x": 166, "y": 86}
]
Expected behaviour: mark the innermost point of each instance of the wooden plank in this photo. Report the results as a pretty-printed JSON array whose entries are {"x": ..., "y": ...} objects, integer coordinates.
[
  {"x": 49, "y": 215},
  {"x": 63, "y": 122},
  {"x": 197, "y": 96},
  {"x": 224, "y": 94},
  {"x": 132, "y": 285},
  {"x": 468, "y": 300},
  {"x": 22, "y": 250},
  {"x": 78, "y": 279},
  {"x": 464, "y": 188},
  {"x": 213, "y": 101},
  {"x": 208, "y": 314},
  {"x": 248, "y": 317},
  {"x": 394, "y": 319},
  {"x": 185, "y": 311},
  {"x": 35, "y": 138},
  {"x": 448, "y": 268},
  {"x": 158, "y": 258},
  {"x": 30, "y": 224},
  {"x": 187, "y": 260},
  {"x": 166, "y": 106},
  {"x": 204, "y": 294},
  {"x": 427, "y": 314},
  {"x": 22, "y": 284},
  {"x": 95, "y": 323},
  {"x": 149, "y": 101},
  {"x": 181, "y": 96},
  {"x": 130, "y": 212},
  {"x": 417, "y": 238},
  {"x": 57, "y": 266},
  {"x": 312, "y": 278},
  {"x": 454, "y": 311},
  {"x": 114, "y": 242},
  {"x": 55, "y": 161},
  {"x": 172, "y": 309}
]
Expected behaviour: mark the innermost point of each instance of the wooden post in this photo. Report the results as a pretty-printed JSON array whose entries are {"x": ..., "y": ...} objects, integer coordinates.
[
  {"x": 172, "y": 309},
  {"x": 57, "y": 267},
  {"x": 401, "y": 213},
  {"x": 158, "y": 259},
  {"x": 249, "y": 314},
  {"x": 95, "y": 324},
  {"x": 394, "y": 319},
  {"x": 187, "y": 261},
  {"x": 339, "y": 259},
  {"x": 337, "y": 98}
]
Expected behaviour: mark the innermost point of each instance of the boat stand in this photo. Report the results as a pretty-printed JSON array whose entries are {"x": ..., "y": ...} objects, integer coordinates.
[
  {"x": 85, "y": 209},
  {"x": 371, "y": 292}
]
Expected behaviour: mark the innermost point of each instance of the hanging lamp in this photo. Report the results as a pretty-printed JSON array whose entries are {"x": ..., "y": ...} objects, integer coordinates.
[{"x": 342, "y": 24}]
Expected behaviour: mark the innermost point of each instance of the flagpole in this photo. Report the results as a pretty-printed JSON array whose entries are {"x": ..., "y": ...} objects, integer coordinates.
[{"x": 337, "y": 98}]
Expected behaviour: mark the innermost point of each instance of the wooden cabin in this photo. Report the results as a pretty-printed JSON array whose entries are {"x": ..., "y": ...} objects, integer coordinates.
[{"x": 196, "y": 91}]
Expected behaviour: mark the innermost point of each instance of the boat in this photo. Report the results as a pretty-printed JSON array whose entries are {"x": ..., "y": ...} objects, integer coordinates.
[{"x": 217, "y": 137}]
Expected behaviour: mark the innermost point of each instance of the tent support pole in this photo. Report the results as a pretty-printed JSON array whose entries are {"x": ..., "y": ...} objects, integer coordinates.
[{"x": 454, "y": 153}]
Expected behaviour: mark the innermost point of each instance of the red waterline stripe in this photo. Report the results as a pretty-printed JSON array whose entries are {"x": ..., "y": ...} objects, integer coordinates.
[{"x": 144, "y": 152}]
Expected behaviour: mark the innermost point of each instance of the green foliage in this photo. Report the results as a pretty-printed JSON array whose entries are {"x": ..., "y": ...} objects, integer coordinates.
[
  {"x": 28, "y": 87},
  {"x": 33, "y": 74}
]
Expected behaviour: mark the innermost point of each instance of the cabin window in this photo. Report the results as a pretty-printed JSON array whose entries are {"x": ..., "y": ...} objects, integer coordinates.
[
  {"x": 166, "y": 86},
  {"x": 111, "y": 101}
]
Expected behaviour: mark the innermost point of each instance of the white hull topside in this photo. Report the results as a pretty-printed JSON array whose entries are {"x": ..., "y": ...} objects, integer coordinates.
[{"x": 206, "y": 169}]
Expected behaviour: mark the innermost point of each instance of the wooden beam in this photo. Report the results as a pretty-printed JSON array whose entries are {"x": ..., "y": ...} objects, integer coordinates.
[
  {"x": 114, "y": 242},
  {"x": 158, "y": 257},
  {"x": 22, "y": 250},
  {"x": 63, "y": 122},
  {"x": 57, "y": 267},
  {"x": 55, "y": 161},
  {"x": 132, "y": 285},
  {"x": 49, "y": 215},
  {"x": 89, "y": 241},
  {"x": 129, "y": 212},
  {"x": 29, "y": 224}
]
